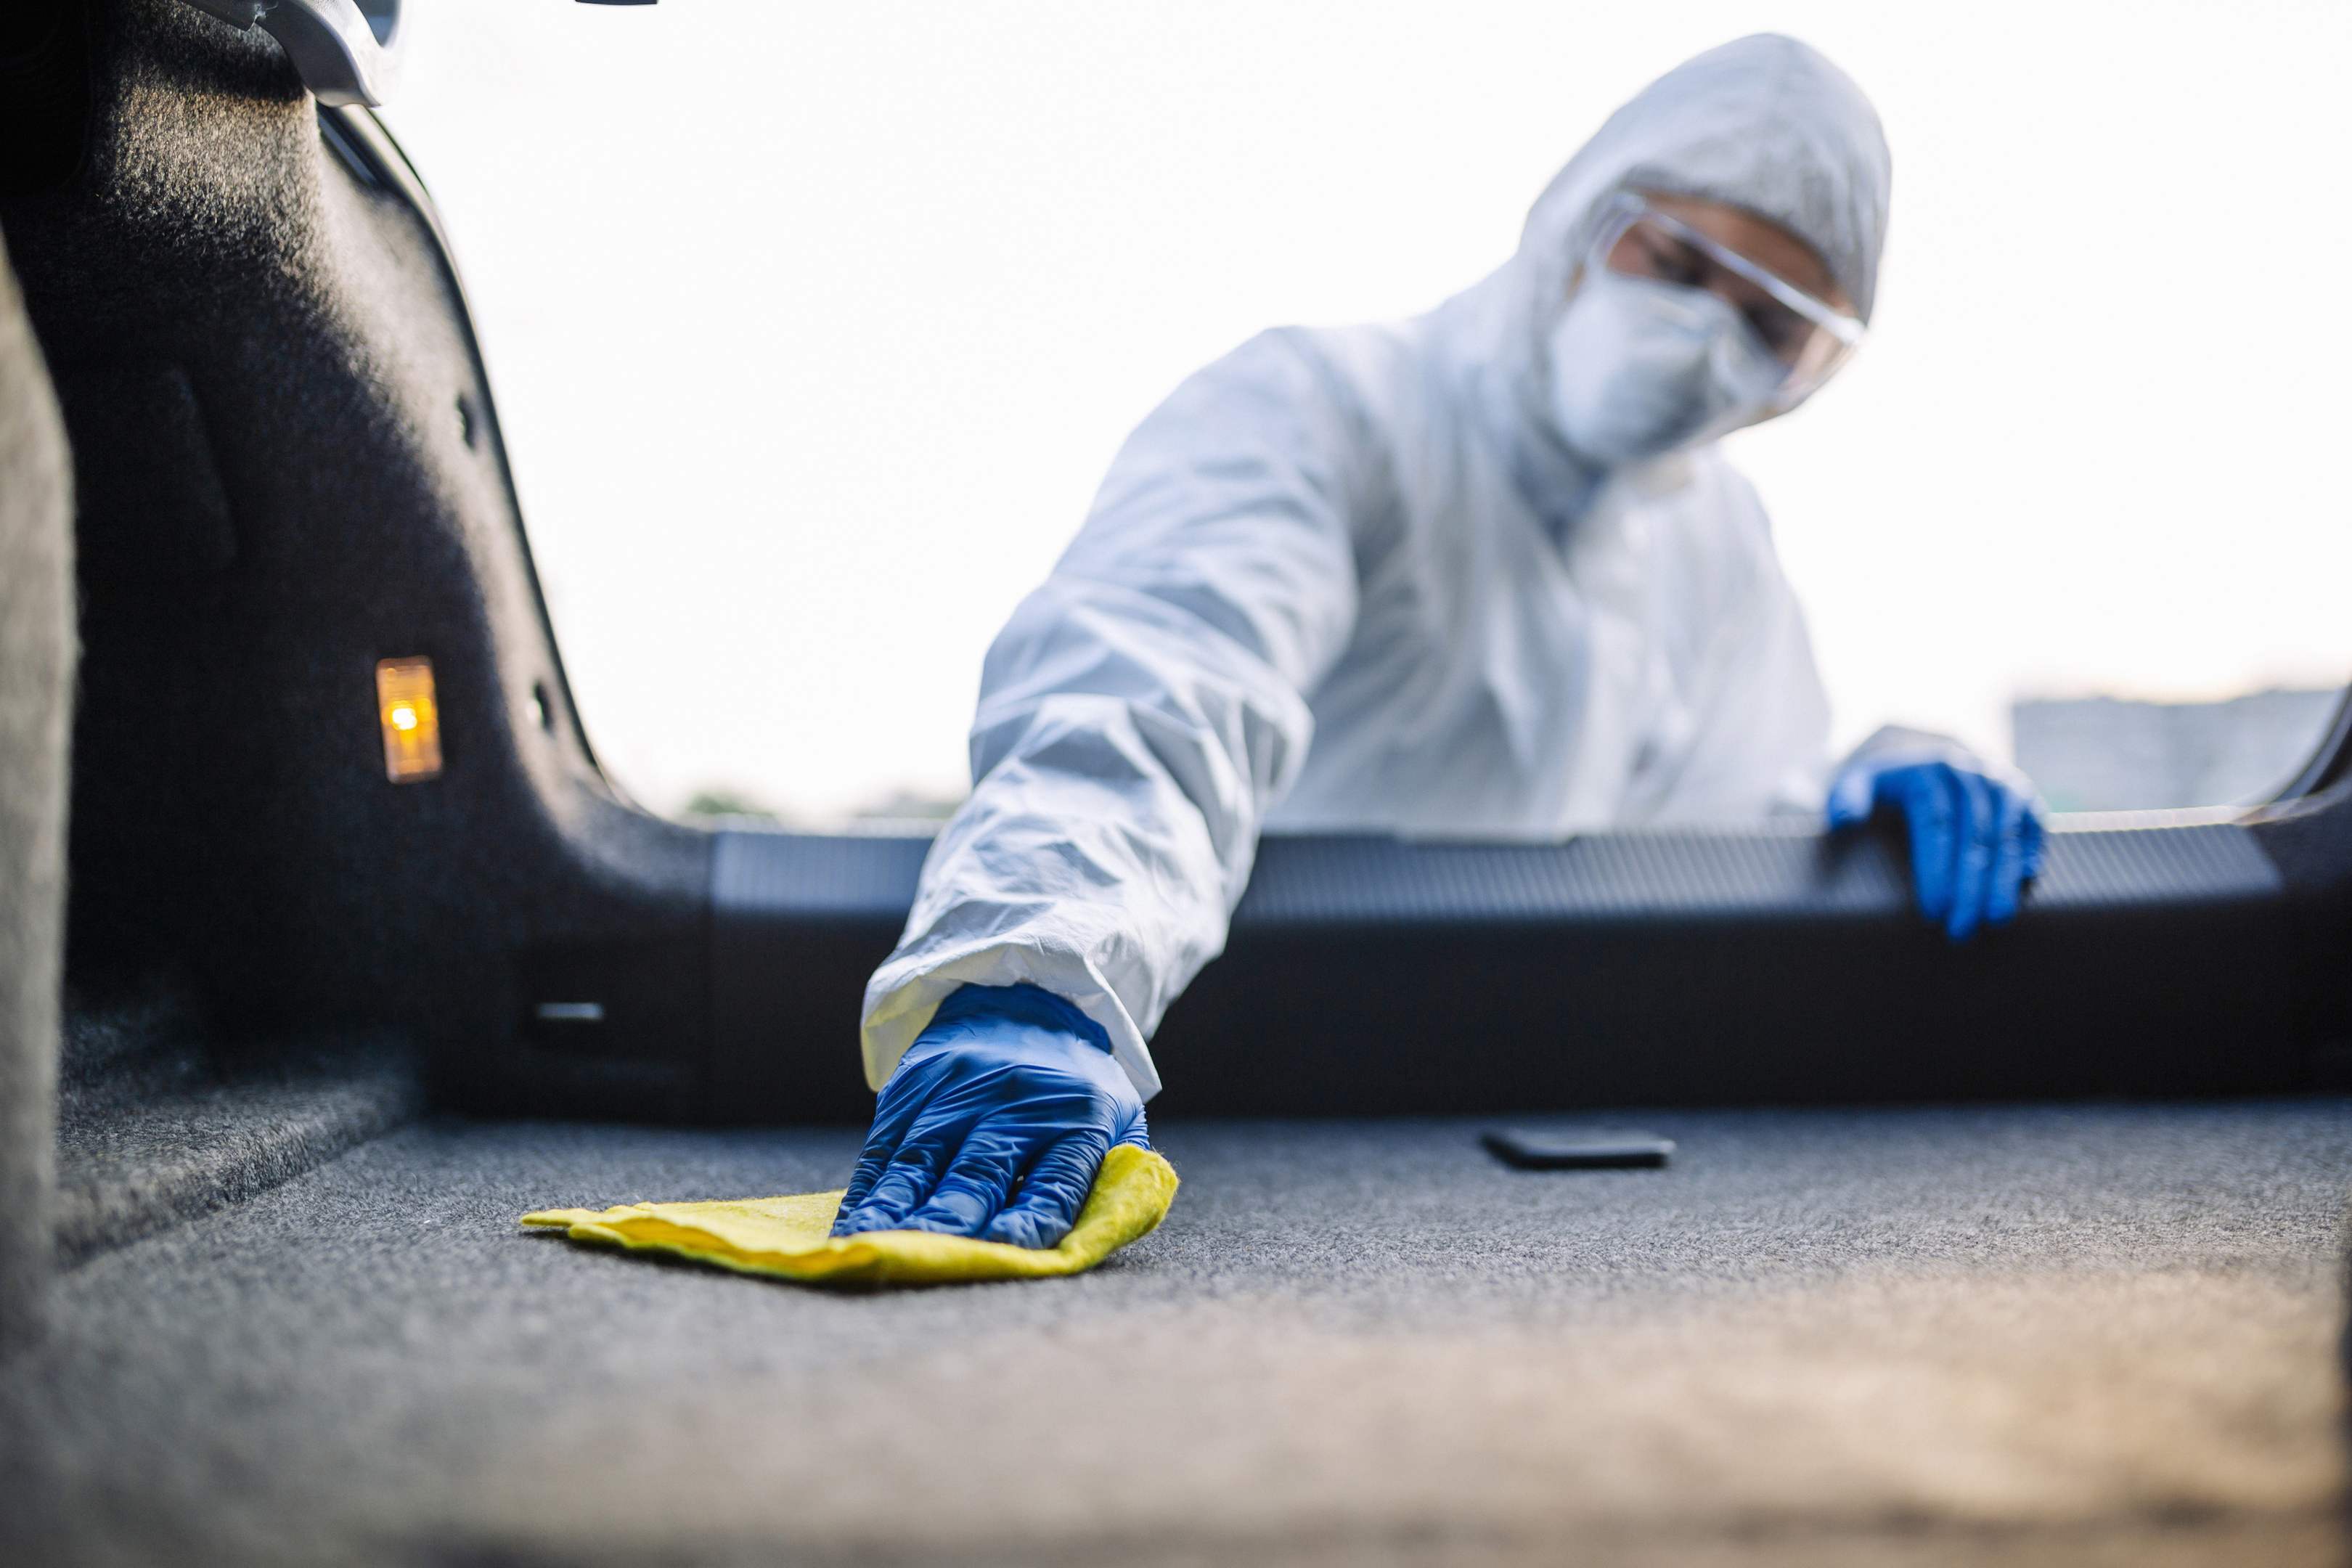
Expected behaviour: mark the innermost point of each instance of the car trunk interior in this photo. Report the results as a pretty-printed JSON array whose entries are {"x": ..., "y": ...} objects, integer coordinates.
[{"x": 2027, "y": 1252}]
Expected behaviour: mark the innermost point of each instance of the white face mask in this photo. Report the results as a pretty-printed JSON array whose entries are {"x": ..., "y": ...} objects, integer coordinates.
[{"x": 1640, "y": 367}]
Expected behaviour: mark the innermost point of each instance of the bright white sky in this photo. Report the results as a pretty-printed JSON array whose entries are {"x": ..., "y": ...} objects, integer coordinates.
[{"x": 813, "y": 327}]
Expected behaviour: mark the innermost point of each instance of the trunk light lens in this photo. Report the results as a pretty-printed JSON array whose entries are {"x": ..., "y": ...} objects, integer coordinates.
[{"x": 411, "y": 722}]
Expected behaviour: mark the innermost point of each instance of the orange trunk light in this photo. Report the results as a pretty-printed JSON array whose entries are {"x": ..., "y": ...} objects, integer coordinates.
[{"x": 412, "y": 724}]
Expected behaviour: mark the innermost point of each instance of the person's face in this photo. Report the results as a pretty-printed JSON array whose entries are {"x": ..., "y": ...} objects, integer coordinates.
[{"x": 1646, "y": 250}]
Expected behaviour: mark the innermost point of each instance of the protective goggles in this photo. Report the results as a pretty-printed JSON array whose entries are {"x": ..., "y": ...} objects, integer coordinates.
[{"x": 1812, "y": 338}]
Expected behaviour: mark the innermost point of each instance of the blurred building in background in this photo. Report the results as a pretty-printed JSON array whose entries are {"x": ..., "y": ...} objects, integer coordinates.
[{"x": 2104, "y": 753}]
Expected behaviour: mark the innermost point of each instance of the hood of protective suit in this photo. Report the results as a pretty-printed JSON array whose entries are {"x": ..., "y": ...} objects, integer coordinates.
[{"x": 1765, "y": 123}]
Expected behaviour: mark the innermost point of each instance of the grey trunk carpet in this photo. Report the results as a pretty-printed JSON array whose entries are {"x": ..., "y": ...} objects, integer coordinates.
[
  {"x": 2028, "y": 1335},
  {"x": 134, "y": 1165}
]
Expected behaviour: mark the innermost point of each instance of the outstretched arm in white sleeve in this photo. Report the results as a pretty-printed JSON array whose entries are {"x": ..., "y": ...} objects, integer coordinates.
[{"x": 1138, "y": 717}]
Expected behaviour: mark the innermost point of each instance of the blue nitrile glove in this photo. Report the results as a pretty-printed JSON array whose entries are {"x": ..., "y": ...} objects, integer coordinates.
[
  {"x": 1975, "y": 830},
  {"x": 994, "y": 1121}
]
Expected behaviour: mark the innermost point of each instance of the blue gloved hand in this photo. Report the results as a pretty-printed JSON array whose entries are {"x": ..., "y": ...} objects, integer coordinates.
[
  {"x": 1976, "y": 836},
  {"x": 994, "y": 1123}
]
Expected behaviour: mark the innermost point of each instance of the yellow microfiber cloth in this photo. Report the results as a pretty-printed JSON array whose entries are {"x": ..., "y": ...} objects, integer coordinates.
[{"x": 786, "y": 1238}]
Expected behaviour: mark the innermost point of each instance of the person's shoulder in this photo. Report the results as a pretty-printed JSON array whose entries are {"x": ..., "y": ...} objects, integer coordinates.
[
  {"x": 1332, "y": 379},
  {"x": 1351, "y": 356},
  {"x": 1366, "y": 348}
]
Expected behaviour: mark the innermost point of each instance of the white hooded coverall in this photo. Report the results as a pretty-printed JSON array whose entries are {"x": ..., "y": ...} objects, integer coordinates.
[{"x": 1351, "y": 581}]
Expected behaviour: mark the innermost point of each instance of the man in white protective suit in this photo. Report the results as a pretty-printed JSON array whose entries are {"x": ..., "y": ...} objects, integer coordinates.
[{"x": 1481, "y": 572}]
